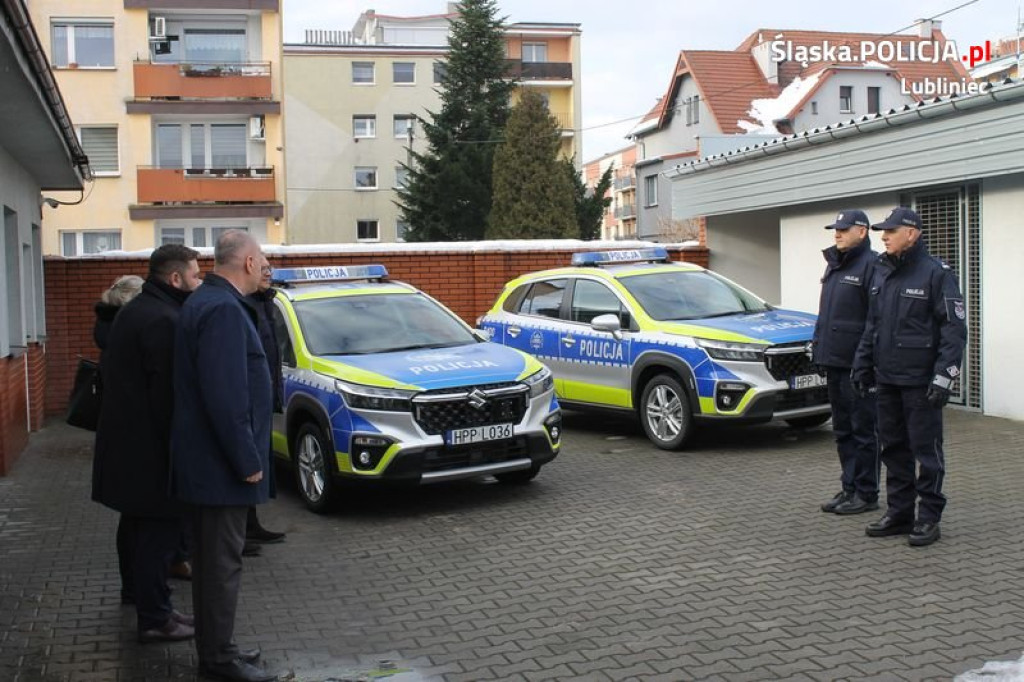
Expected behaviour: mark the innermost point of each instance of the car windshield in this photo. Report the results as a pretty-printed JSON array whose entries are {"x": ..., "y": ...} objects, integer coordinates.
[
  {"x": 378, "y": 323},
  {"x": 690, "y": 295}
]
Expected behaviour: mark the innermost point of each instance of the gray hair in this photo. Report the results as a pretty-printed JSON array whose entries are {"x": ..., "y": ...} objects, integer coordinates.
[
  {"x": 122, "y": 290},
  {"x": 231, "y": 246}
]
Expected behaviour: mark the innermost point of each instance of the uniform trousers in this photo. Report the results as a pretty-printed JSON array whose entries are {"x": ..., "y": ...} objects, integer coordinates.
[
  {"x": 853, "y": 425},
  {"x": 910, "y": 434}
]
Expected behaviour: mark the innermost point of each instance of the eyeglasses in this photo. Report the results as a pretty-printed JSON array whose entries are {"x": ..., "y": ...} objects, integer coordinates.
[{"x": 267, "y": 270}]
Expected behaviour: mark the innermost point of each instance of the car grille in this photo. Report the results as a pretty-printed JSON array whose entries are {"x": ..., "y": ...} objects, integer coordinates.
[
  {"x": 443, "y": 410},
  {"x": 794, "y": 400},
  {"x": 447, "y": 458},
  {"x": 790, "y": 359}
]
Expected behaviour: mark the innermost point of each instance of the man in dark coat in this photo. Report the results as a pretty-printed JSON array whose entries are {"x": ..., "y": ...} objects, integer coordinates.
[
  {"x": 263, "y": 302},
  {"x": 221, "y": 444},
  {"x": 912, "y": 348},
  {"x": 841, "y": 317},
  {"x": 131, "y": 466}
]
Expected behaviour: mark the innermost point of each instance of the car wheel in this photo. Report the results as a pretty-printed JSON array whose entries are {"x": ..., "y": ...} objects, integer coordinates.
[
  {"x": 665, "y": 412},
  {"x": 521, "y": 477},
  {"x": 312, "y": 473},
  {"x": 808, "y": 422}
]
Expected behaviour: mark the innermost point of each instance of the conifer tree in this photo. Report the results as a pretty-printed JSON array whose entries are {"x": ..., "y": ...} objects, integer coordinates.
[
  {"x": 533, "y": 195},
  {"x": 590, "y": 206},
  {"x": 448, "y": 193}
]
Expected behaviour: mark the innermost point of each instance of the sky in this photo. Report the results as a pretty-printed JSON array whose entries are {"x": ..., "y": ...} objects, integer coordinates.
[{"x": 628, "y": 57}]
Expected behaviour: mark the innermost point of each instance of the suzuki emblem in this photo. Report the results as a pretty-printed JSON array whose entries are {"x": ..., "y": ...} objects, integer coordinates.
[{"x": 477, "y": 399}]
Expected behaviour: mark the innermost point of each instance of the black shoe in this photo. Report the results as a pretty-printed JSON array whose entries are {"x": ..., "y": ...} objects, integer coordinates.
[
  {"x": 251, "y": 549},
  {"x": 263, "y": 536},
  {"x": 855, "y": 505},
  {"x": 172, "y": 631},
  {"x": 249, "y": 655},
  {"x": 924, "y": 534},
  {"x": 183, "y": 618},
  {"x": 841, "y": 496},
  {"x": 888, "y": 525},
  {"x": 235, "y": 671}
]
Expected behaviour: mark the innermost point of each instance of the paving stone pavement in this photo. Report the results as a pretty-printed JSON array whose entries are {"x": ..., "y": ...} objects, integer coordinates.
[{"x": 619, "y": 562}]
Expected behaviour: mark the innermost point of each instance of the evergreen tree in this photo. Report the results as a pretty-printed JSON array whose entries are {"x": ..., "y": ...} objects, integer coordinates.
[
  {"x": 590, "y": 206},
  {"x": 533, "y": 196},
  {"x": 448, "y": 194}
]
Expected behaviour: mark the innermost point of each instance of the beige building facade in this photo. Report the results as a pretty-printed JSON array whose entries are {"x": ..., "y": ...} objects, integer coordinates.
[
  {"x": 178, "y": 106},
  {"x": 353, "y": 97}
]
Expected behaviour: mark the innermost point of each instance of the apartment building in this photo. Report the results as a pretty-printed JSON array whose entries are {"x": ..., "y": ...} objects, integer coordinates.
[
  {"x": 353, "y": 98},
  {"x": 178, "y": 105},
  {"x": 619, "y": 219}
]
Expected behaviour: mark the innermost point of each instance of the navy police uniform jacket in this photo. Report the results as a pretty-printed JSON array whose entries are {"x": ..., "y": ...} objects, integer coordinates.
[
  {"x": 843, "y": 309},
  {"x": 916, "y": 329},
  {"x": 223, "y": 401}
]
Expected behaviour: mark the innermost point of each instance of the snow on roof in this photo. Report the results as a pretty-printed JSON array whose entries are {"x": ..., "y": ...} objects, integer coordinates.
[
  {"x": 767, "y": 111},
  {"x": 345, "y": 249},
  {"x": 993, "y": 66}
]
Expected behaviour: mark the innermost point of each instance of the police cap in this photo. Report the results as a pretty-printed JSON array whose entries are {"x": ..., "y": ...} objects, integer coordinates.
[
  {"x": 899, "y": 217},
  {"x": 848, "y": 218}
]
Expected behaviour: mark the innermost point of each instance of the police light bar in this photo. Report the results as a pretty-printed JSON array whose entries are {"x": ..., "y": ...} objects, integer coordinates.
[
  {"x": 328, "y": 273},
  {"x": 655, "y": 255}
]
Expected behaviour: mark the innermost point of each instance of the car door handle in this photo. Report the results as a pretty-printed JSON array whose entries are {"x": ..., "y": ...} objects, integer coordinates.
[
  {"x": 568, "y": 341},
  {"x": 514, "y": 331}
]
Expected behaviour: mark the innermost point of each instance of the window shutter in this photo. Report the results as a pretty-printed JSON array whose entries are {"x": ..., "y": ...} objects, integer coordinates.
[{"x": 100, "y": 145}]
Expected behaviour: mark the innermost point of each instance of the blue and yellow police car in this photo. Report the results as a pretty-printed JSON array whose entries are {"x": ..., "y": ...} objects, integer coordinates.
[
  {"x": 383, "y": 383},
  {"x": 674, "y": 342}
]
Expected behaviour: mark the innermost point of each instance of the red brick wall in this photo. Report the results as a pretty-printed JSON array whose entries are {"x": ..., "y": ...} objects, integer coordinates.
[
  {"x": 14, "y": 417},
  {"x": 465, "y": 281}
]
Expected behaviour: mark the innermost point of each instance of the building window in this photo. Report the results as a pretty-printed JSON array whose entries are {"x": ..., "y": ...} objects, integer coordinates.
[
  {"x": 846, "y": 99},
  {"x": 401, "y": 176},
  {"x": 82, "y": 43},
  {"x": 403, "y": 125},
  {"x": 651, "y": 190},
  {"x": 210, "y": 46},
  {"x": 440, "y": 69},
  {"x": 401, "y": 230},
  {"x": 364, "y": 126},
  {"x": 85, "y": 243},
  {"x": 366, "y": 177},
  {"x": 403, "y": 72},
  {"x": 874, "y": 99},
  {"x": 195, "y": 236},
  {"x": 535, "y": 52},
  {"x": 100, "y": 145},
  {"x": 688, "y": 105},
  {"x": 362, "y": 72},
  {"x": 696, "y": 108},
  {"x": 366, "y": 231},
  {"x": 814, "y": 107},
  {"x": 202, "y": 145}
]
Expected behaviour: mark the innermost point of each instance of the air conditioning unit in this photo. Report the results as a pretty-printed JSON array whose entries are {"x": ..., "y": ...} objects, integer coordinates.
[
  {"x": 158, "y": 29},
  {"x": 257, "y": 128}
]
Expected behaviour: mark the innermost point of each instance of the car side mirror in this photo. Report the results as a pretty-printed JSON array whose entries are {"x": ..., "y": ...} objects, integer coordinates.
[
  {"x": 608, "y": 323},
  {"x": 482, "y": 334}
]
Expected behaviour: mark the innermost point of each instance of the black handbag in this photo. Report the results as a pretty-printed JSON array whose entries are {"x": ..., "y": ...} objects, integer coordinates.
[{"x": 84, "y": 402}]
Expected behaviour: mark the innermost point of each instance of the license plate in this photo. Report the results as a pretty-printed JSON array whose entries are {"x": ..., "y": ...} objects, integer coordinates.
[
  {"x": 478, "y": 434},
  {"x": 806, "y": 381}
]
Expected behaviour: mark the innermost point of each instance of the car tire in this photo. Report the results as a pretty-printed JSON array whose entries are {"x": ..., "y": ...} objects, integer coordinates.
[
  {"x": 665, "y": 412},
  {"x": 808, "y": 422},
  {"x": 521, "y": 477},
  {"x": 313, "y": 476}
]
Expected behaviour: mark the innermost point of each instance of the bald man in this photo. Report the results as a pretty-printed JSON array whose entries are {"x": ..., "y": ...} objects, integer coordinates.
[{"x": 223, "y": 406}]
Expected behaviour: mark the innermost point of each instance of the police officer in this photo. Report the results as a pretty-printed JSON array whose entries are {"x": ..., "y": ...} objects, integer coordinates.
[
  {"x": 842, "y": 312},
  {"x": 912, "y": 347}
]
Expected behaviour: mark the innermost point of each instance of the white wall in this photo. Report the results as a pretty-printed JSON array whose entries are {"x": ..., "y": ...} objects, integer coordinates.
[
  {"x": 827, "y": 97},
  {"x": 1002, "y": 205},
  {"x": 745, "y": 248},
  {"x": 802, "y": 237}
]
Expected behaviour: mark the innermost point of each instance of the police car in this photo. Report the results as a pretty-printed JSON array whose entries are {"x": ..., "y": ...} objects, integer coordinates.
[
  {"x": 383, "y": 383},
  {"x": 674, "y": 342}
]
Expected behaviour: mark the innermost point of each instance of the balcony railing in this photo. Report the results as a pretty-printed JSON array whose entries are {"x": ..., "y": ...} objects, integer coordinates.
[
  {"x": 627, "y": 211},
  {"x": 624, "y": 182},
  {"x": 196, "y": 185},
  {"x": 564, "y": 119},
  {"x": 200, "y": 80},
  {"x": 517, "y": 68}
]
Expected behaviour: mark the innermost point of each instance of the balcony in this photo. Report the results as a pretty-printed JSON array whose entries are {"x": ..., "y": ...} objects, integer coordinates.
[
  {"x": 534, "y": 71},
  {"x": 625, "y": 182},
  {"x": 624, "y": 212},
  {"x": 203, "y": 81},
  {"x": 240, "y": 5},
  {"x": 204, "y": 185},
  {"x": 564, "y": 119}
]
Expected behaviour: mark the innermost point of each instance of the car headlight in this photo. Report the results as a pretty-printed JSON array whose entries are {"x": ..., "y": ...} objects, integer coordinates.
[
  {"x": 540, "y": 382},
  {"x": 730, "y": 350},
  {"x": 362, "y": 397}
]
